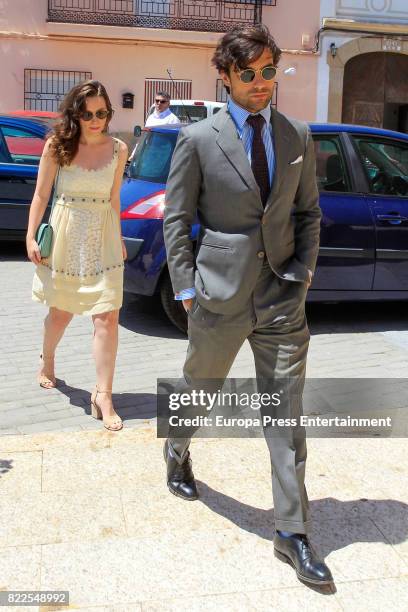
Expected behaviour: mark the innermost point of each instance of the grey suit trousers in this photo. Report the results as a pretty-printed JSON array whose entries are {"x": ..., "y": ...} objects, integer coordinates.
[{"x": 275, "y": 325}]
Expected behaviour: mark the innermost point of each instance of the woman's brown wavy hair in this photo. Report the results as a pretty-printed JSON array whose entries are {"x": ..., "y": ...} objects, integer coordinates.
[{"x": 67, "y": 130}]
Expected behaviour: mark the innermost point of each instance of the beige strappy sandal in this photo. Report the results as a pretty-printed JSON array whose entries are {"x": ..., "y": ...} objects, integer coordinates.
[
  {"x": 45, "y": 381},
  {"x": 113, "y": 423}
]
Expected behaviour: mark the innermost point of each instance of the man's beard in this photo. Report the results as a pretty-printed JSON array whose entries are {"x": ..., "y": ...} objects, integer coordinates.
[{"x": 253, "y": 105}]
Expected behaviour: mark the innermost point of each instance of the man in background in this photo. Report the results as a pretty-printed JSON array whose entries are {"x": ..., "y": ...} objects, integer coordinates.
[{"x": 162, "y": 114}]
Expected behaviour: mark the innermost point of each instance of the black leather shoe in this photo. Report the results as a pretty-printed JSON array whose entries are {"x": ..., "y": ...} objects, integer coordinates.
[
  {"x": 297, "y": 551},
  {"x": 180, "y": 477}
]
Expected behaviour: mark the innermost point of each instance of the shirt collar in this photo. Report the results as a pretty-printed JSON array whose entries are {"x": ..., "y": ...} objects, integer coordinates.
[
  {"x": 240, "y": 115},
  {"x": 163, "y": 114}
]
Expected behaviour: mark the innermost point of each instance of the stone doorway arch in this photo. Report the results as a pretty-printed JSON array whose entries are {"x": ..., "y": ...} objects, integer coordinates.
[
  {"x": 375, "y": 91},
  {"x": 338, "y": 71}
]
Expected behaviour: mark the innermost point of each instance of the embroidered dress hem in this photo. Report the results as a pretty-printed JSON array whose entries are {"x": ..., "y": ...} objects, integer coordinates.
[{"x": 60, "y": 292}]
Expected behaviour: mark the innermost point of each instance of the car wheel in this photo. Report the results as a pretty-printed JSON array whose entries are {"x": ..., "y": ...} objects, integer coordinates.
[{"x": 173, "y": 308}]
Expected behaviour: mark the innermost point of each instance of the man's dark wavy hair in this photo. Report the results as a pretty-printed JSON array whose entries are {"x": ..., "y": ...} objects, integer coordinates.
[{"x": 243, "y": 45}]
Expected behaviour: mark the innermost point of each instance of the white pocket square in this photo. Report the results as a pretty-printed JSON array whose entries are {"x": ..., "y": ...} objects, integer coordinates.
[{"x": 297, "y": 160}]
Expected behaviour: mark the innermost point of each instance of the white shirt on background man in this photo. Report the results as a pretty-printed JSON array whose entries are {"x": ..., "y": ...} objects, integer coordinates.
[
  {"x": 164, "y": 118},
  {"x": 156, "y": 118}
]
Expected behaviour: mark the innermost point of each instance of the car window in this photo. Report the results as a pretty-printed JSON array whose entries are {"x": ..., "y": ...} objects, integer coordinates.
[
  {"x": 4, "y": 154},
  {"x": 330, "y": 166},
  {"x": 23, "y": 146},
  {"x": 153, "y": 156},
  {"x": 189, "y": 112},
  {"x": 216, "y": 109},
  {"x": 385, "y": 162}
]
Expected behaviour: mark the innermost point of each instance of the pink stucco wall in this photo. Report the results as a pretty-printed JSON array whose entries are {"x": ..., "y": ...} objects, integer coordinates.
[
  {"x": 121, "y": 69},
  {"x": 130, "y": 55},
  {"x": 288, "y": 21}
]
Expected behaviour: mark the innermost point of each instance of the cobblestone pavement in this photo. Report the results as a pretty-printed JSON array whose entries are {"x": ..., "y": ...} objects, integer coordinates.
[{"x": 360, "y": 340}]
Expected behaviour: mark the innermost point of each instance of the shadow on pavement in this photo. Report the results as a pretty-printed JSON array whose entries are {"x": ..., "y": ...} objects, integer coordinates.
[
  {"x": 359, "y": 317},
  {"x": 145, "y": 315},
  {"x": 128, "y": 405},
  {"x": 260, "y": 522},
  {"x": 391, "y": 513},
  {"x": 5, "y": 466},
  {"x": 13, "y": 251}
]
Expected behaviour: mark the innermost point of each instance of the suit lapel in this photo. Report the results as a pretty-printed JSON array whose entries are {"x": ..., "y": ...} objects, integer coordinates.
[
  {"x": 231, "y": 145},
  {"x": 281, "y": 147}
]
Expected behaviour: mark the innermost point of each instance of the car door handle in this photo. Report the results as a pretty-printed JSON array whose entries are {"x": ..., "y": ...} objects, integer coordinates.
[{"x": 392, "y": 219}]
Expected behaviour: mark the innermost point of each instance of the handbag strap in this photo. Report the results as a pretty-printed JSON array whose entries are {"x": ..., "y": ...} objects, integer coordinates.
[{"x": 54, "y": 196}]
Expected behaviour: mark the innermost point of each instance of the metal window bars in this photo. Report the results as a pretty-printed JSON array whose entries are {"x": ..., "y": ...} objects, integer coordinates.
[
  {"x": 44, "y": 89},
  {"x": 177, "y": 89},
  {"x": 199, "y": 15}
]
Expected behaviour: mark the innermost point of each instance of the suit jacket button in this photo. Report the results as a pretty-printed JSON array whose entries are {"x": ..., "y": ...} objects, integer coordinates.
[{"x": 261, "y": 254}]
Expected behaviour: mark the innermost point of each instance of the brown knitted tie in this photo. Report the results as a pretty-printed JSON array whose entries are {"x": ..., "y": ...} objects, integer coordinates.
[{"x": 259, "y": 161}]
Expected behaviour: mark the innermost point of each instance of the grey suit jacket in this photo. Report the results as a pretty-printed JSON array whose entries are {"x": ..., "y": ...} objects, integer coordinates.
[{"x": 210, "y": 176}]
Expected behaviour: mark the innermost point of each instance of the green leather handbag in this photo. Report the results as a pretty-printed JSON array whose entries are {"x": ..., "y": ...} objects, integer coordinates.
[
  {"x": 44, "y": 239},
  {"x": 45, "y": 232}
]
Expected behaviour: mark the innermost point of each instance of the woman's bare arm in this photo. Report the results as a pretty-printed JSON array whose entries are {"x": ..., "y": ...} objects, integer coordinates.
[{"x": 47, "y": 171}]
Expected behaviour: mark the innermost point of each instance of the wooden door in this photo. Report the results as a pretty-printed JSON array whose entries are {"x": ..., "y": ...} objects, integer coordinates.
[{"x": 375, "y": 86}]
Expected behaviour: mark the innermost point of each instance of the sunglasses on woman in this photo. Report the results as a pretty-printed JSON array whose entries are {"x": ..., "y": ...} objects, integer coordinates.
[
  {"x": 88, "y": 115},
  {"x": 248, "y": 75}
]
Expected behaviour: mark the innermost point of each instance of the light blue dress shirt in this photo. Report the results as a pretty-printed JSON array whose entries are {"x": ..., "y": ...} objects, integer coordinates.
[{"x": 246, "y": 133}]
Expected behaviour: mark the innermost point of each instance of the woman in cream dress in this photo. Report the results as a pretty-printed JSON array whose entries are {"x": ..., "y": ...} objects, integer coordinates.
[{"x": 84, "y": 271}]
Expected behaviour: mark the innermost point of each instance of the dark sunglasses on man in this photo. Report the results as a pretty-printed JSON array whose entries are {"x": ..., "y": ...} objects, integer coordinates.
[
  {"x": 161, "y": 101},
  {"x": 247, "y": 76}
]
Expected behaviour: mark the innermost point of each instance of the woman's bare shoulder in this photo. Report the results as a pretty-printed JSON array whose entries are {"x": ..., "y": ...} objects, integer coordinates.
[
  {"x": 49, "y": 149},
  {"x": 123, "y": 149}
]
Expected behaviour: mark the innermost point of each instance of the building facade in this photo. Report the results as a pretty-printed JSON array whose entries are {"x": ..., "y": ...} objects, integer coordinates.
[
  {"x": 363, "y": 64},
  {"x": 343, "y": 60},
  {"x": 132, "y": 45}
]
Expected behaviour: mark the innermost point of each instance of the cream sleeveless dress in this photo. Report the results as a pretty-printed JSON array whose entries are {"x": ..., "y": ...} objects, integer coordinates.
[{"x": 84, "y": 272}]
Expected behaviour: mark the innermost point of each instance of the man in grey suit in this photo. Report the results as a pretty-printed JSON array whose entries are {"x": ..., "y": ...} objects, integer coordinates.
[{"x": 249, "y": 175}]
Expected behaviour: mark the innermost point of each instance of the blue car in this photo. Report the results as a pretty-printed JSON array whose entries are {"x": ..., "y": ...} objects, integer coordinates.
[
  {"x": 362, "y": 174},
  {"x": 21, "y": 144}
]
